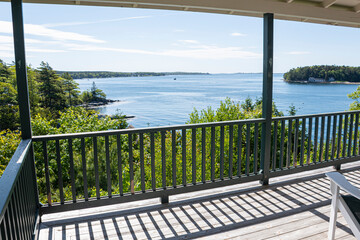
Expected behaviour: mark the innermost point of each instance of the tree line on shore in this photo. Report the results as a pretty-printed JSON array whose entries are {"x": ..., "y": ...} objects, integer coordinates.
[
  {"x": 106, "y": 74},
  {"x": 338, "y": 73}
]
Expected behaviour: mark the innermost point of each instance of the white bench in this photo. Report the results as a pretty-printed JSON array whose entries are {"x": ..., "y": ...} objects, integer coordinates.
[{"x": 348, "y": 204}]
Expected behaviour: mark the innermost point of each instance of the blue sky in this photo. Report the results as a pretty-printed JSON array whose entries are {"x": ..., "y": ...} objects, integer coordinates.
[{"x": 123, "y": 39}]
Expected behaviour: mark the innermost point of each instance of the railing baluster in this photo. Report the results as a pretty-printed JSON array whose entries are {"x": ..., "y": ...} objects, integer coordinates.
[
  {"x": 303, "y": 130},
  {"x": 222, "y": 152},
  {"x": 72, "y": 170},
  {"x": 256, "y": 146},
  {"x": 322, "y": 132},
  {"x": 96, "y": 166},
  {"x": 142, "y": 161},
  {"x": 20, "y": 208},
  {"x": 108, "y": 168},
  {"x": 131, "y": 164},
  {"x": 16, "y": 213},
  {"x": 275, "y": 145},
  {"x": 212, "y": 153},
  {"x": 247, "y": 168},
  {"x": 183, "y": 144},
  {"x": 309, "y": 142},
  {"x": 239, "y": 162},
  {"x": 163, "y": 159},
  {"x": 119, "y": 163},
  {"x": 47, "y": 177},
  {"x": 316, "y": 139},
  {"x": 345, "y": 134},
  {"x": 339, "y": 137},
  {"x": 203, "y": 152},
  {"x": 14, "y": 227},
  {"x": 26, "y": 198},
  {"x": 59, "y": 172},
  {"x": 193, "y": 152},
  {"x": 7, "y": 220},
  {"x": 231, "y": 139},
  {"x": 288, "y": 157},
  {"x": 20, "y": 211},
  {"x": 356, "y": 133},
  {"x": 282, "y": 142},
  {"x": 173, "y": 155},
  {"x": 14, "y": 217},
  {"x": 327, "y": 138},
  {"x": 152, "y": 149},
  {"x": 333, "y": 140},
  {"x": 296, "y": 138},
  {"x": 83, "y": 159},
  {"x": 4, "y": 228},
  {"x": 350, "y": 134}
]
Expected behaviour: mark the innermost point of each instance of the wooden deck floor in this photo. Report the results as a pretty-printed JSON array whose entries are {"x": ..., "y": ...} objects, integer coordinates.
[{"x": 292, "y": 207}]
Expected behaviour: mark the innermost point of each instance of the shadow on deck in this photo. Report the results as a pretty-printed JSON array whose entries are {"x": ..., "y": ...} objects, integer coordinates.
[{"x": 292, "y": 207}]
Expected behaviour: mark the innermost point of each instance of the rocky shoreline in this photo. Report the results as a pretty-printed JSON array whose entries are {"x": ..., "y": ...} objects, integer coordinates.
[
  {"x": 307, "y": 82},
  {"x": 93, "y": 105}
]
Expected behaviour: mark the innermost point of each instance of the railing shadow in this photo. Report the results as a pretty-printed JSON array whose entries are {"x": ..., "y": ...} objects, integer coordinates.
[{"x": 204, "y": 216}]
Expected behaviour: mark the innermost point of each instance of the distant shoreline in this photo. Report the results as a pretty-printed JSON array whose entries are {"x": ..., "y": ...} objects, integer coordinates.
[
  {"x": 325, "y": 83},
  {"x": 106, "y": 74}
]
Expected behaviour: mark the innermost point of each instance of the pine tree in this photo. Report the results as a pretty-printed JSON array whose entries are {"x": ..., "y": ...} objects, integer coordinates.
[
  {"x": 51, "y": 89},
  {"x": 71, "y": 89}
]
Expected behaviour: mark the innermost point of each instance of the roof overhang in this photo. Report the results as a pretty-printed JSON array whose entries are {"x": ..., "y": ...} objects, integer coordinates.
[{"x": 332, "y": 12}]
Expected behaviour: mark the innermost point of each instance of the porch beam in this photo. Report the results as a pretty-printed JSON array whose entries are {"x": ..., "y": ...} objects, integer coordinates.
[
  {"x": 267, "y": 96},
  {"x": 357, "y": 8},
  {"x": 21, "y": 72},
  {"x": 328, "y": 3}
]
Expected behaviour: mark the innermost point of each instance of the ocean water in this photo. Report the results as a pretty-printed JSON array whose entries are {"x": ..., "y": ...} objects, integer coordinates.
[{"x": 168, "y": 100}]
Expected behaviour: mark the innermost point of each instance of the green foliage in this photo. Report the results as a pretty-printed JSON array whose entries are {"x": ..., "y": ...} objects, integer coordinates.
[
  {"x": 6, "y": 73},
  {"x": 71, "y": 88},
  {"x": 94, "y": 95},
  {"x": 48, "y": 93},
  {"x": 9, "y": 112},
  {"x": 73, "y": 120},
  {"x": 355, "y": 96},
  {"x": 51, "y": 89},
  {"x": 9, "y": 141},
  {"x": 339, "y": 73},
  {"x": 292, "y": 110},
  {"x": 231, "y": 110}
]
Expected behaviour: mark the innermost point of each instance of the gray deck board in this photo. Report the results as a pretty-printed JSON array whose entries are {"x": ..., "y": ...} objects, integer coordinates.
[{"x": 291, "y": 207}]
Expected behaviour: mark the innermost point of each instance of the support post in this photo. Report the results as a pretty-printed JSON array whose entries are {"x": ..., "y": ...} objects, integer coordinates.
[
  {"x": 267, "y": 96},
  {"x": 21, "y": 71},
  {"x": 337, "y": 167},
  {"x": 164, "y": 199},
  {"x": 22, "y": 81}
]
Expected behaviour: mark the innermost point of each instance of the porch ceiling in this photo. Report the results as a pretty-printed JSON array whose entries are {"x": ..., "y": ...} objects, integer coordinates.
[{"x": 332, "y": 12}]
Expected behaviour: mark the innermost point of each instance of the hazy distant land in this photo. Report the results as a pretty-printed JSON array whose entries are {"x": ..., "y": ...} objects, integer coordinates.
[{"x": 107, "y": 74}]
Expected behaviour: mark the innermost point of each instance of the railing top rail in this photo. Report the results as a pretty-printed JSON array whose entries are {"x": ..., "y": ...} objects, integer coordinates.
[
  {"x": 144, "y": 130},
  {"x": 11, "y": 173},
  {"x": 315, "y": 115}
]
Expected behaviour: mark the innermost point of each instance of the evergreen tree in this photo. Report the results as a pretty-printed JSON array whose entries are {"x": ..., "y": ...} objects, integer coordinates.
[
  {"x": 34, "y": 95},
  {"x": 97, "y": 94},
  {"x": 9, "y": 111},
  {"x": 51, "y": 89},
  {"x": 71, "y": 89}
]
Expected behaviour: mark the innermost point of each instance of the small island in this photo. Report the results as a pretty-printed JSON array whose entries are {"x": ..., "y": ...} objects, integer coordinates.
[{"x": 324, "y": 74}]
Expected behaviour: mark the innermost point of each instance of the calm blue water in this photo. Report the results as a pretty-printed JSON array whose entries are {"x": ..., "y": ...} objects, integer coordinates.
[{"x": 160, "y": 101}]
